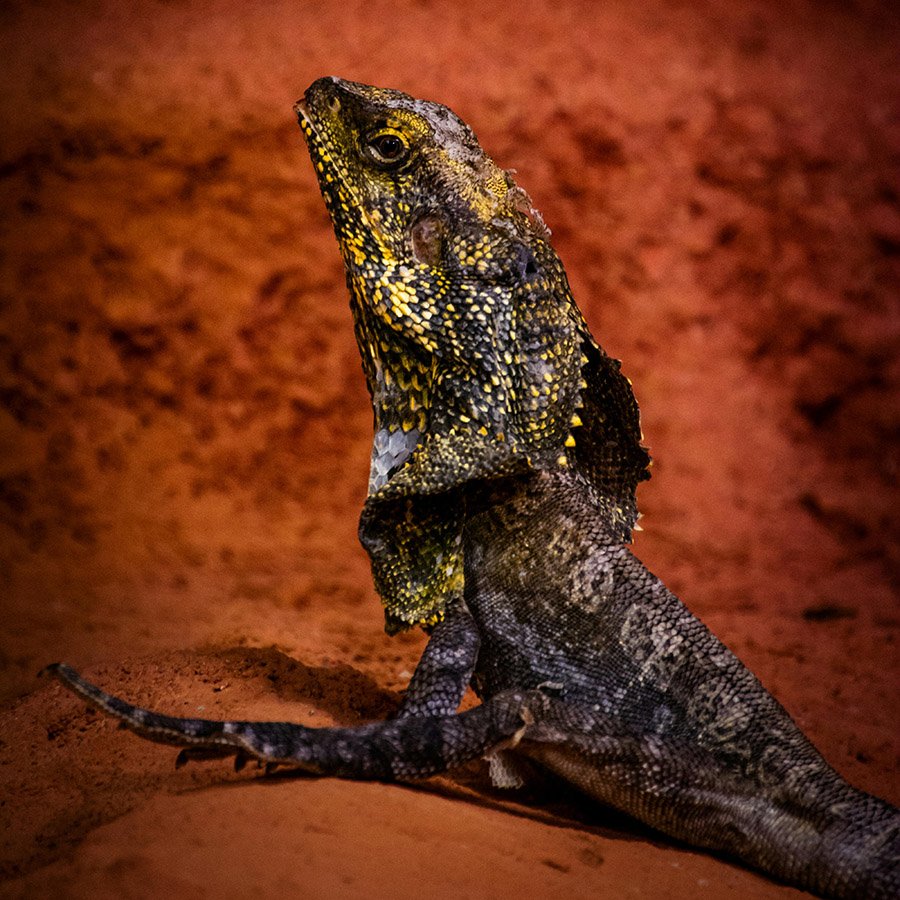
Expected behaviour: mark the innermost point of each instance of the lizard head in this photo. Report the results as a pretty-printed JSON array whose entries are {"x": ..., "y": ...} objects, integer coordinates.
[
  {"x": 450, "y": 273},
  {"x": 394, "y": 170}
]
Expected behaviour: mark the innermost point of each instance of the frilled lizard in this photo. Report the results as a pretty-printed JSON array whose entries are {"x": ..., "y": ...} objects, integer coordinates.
[{"x": 502, "y": 491}]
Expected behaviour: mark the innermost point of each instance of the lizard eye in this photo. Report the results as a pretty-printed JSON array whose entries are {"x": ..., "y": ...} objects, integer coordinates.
[{"x": 387, "y": 148}]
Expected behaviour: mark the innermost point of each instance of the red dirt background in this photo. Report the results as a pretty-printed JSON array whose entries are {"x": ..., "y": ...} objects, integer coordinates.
[{"x": 184, "y": 431}]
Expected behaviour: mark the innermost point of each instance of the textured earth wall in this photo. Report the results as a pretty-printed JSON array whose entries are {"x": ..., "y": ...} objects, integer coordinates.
[{"x": 184, "y": 428}]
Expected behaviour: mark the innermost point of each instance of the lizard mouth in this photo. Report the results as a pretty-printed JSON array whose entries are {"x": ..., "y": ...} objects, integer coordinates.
[
  {"x": 335, "y": 182},
  {"x": 305, "y": 120},
  {"x": 318, "y": 149},
  {"x": 302, "y": 111}
]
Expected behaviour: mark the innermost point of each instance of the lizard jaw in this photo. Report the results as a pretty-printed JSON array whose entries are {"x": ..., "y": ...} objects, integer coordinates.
[{"x": 322, "y": 160}]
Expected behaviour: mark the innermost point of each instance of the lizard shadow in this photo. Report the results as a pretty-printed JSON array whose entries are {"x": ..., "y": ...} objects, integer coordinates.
[
  {"x": 337, "y": 689},
  {"x": 544, "y": 799}
]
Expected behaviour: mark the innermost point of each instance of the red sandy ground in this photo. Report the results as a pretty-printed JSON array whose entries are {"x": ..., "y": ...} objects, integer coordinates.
[{"x": 185, "y": 430}]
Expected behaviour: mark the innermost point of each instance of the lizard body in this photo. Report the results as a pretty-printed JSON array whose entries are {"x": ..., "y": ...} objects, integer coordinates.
[{"x": 502, "y": 493}]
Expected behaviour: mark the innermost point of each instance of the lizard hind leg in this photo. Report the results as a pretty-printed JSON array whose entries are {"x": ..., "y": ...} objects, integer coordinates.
[
  {"x": 406, "y": 748},
  {"x": 818, "y": 833}
]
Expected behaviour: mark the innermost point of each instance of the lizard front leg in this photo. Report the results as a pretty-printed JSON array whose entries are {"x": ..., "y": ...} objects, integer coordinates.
[
  {"x": 441, "y": 679},
  {"x": 446, "y": 666},
  {"x": 415, "y": 746}
]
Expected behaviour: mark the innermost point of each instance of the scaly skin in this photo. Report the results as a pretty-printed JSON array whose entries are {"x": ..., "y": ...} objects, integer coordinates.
[{"x": 502, "y": 491}]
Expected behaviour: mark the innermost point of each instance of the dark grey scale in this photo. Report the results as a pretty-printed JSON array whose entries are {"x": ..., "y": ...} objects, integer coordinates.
[
  {"x": 446, "y": 666},
  {"x": 633, "y": 672}
]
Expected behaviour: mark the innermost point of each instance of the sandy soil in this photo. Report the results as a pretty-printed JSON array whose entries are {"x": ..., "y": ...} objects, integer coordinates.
[{"x": 184, "y": 428}]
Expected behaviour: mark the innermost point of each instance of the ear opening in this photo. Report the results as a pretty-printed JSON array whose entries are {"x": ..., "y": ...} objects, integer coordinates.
[{"x": 427, "y": 237}]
